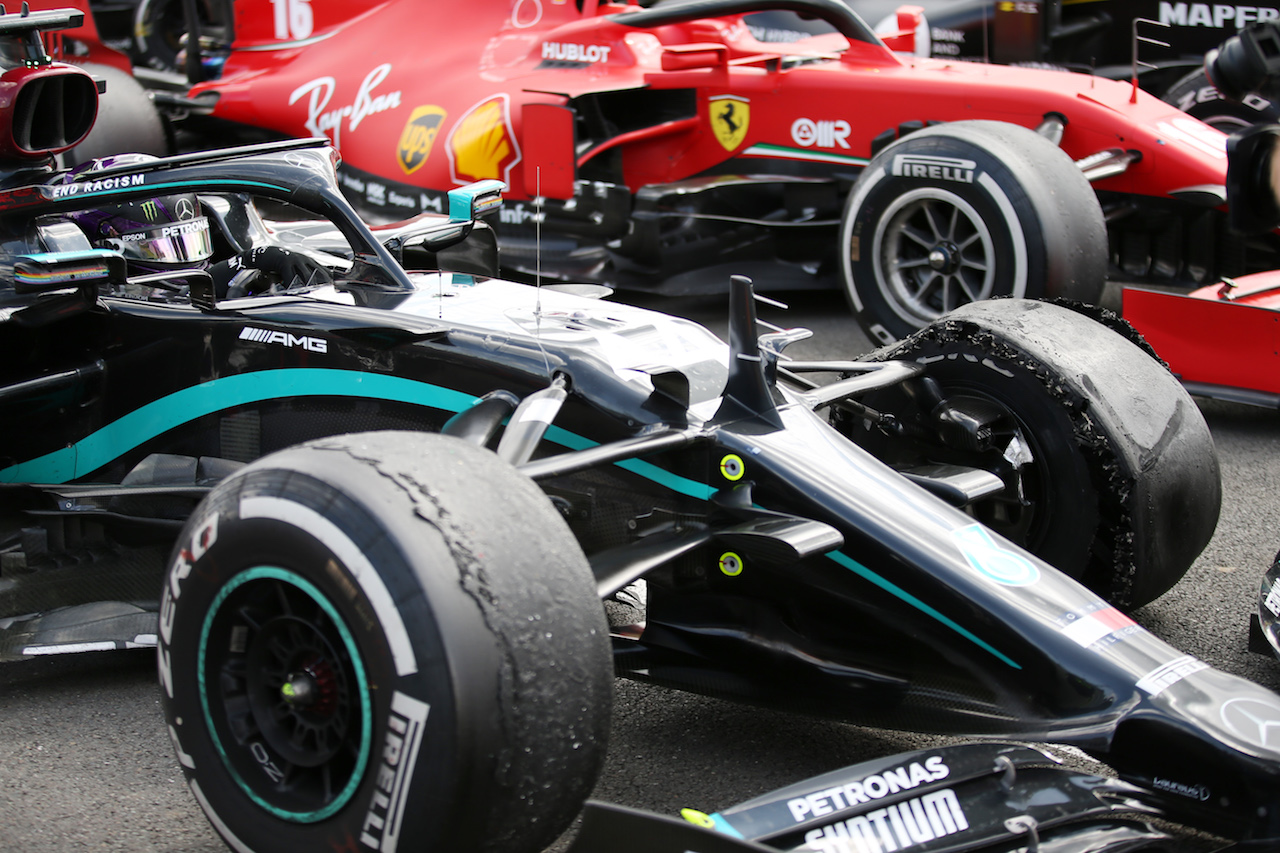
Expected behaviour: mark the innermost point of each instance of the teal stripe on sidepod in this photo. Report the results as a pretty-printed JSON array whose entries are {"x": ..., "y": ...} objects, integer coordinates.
[
  {"x": 160, "y": 416},
  {"x": 898, "y": 592}
]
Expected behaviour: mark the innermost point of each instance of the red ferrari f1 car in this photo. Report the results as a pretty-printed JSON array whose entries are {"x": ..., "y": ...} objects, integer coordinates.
[
  {"x": 1223, "y": 340},
  {"x": 1165, "y": 49},
  {"x": 676, "y": 144}
]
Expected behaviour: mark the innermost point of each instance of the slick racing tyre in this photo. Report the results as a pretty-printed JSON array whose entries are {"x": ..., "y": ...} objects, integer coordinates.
[
  {"x": 961, "y": 212},
  {"x": 1196, "y": 96},
  {"x": 1110, "y": 471},
  {"x": 127, "y": 121},
  {"x": 385, "y": 641}
]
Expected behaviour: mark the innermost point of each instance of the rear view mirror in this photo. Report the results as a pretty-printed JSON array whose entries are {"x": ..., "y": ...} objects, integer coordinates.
[
  {"x": 47, "y": 271},
  {"x": 475, "y": 200},
  {"x": 903, "y": 40}
]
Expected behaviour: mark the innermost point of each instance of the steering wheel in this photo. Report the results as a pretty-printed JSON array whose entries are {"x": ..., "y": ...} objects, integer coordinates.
[{"x": 266, "y": 269}]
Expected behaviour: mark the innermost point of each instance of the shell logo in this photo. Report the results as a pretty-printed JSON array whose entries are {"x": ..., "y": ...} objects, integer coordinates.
[{"x": 481, "y": 144}]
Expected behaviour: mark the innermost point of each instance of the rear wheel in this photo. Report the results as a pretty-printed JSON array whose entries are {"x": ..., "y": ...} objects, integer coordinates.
[
  {"x": 962, "y": 212},
  {"x": 160, "y": 29},
  {"x": 388, "y": 640},
  {"x": 1110, "y": 472},
  {"x": 127, "y": 123}
]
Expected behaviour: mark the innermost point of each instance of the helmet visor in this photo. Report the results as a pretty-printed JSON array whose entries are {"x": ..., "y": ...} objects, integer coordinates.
[{"x": 175, "y": 243}]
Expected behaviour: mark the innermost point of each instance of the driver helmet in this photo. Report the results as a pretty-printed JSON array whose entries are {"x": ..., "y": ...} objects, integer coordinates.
[{"x": 157, "y": 234}]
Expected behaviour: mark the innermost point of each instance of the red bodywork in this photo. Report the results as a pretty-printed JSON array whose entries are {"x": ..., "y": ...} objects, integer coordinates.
[
  {"x": 437, "y": 95},
  {"x": 89, "y": 46},
  {"x": 1222, "y": 341}
]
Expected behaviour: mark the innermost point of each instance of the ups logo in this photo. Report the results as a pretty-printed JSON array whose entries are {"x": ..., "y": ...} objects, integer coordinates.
[{"x": 417, "y": 137}]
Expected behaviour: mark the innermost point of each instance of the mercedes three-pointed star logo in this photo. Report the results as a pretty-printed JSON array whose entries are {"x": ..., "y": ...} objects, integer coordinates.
[
  {"x": 186, "y": 210},
  {"x": 1256, "y": 720}
]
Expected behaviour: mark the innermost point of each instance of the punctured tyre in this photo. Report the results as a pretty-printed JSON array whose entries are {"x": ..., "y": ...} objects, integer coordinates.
[
  {"x": 961, "y": 212},
  {"x": 1122, "y": 490},
  {"x": 1196, "y": 96},
  {"x": 384, "y": 641},
  {"x": 1114, "y": 322}
]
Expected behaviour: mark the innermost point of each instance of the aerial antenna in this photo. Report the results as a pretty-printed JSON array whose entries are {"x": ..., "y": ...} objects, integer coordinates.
[
  {"x": 986, "y": 50},
  {"x": 538, "y": 204}
]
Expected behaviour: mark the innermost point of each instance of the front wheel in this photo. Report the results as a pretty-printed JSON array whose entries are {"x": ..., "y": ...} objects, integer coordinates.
[
  {"x": 1109, "y": 469},
  {"x": 384, "y": 641},
  {"x": 962, "y": 212},
  {"x": 1195, "y": 95}
]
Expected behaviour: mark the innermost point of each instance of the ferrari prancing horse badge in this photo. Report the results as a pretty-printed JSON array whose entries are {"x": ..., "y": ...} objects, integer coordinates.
[{"x": 730, "y": 115}]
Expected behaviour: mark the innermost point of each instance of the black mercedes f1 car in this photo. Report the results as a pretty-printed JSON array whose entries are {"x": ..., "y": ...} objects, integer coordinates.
[{"x": 393, "y": 531}]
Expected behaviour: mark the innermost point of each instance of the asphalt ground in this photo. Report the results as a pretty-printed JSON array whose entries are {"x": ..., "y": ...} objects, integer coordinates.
[{"x": 85, "y": 763}]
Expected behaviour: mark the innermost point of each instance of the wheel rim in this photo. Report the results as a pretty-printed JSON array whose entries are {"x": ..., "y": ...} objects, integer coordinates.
[
  {"x": 1228, "y": 124},
  {"x": 1021, "y": 510},
  {"x": 933, "y": 253},
  {"x": 284, "y": 694}
]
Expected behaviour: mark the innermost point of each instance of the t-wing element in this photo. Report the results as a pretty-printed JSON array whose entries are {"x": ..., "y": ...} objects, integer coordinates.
[{"x": 24, "y": 28}]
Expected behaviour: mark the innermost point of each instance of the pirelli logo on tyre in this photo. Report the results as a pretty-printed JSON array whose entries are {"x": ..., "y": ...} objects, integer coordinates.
[
  {"x": 385, "y": 817},
  {"x": 934, "y": 168}
]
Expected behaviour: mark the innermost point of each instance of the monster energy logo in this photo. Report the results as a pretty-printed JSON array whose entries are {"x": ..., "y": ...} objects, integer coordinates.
[{"x": 150, "y": 210}]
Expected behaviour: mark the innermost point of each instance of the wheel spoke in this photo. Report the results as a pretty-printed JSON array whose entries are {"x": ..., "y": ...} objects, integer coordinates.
[
  {"x": 249, "y": 615},
  {"x": 918, "y": 294},
  {"x": 973, "y": 295},
  {"x": 954, "y": 224},
  {"x": 926, "y": 241},
  {"x": 326, "y": 782},
  {"x": 282, "y": 594},
  {"x": 945, "y": 292},
  {"x": 933, "y": 222}
]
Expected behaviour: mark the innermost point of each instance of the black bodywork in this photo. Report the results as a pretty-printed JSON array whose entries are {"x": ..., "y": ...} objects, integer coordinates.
[
  {"x": 785, "y": 564},
  {"x": 866, "y": 598}
]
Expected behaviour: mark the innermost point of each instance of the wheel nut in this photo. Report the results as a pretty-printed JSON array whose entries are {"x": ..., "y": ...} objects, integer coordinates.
[{"x": 300, "y": 689}]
